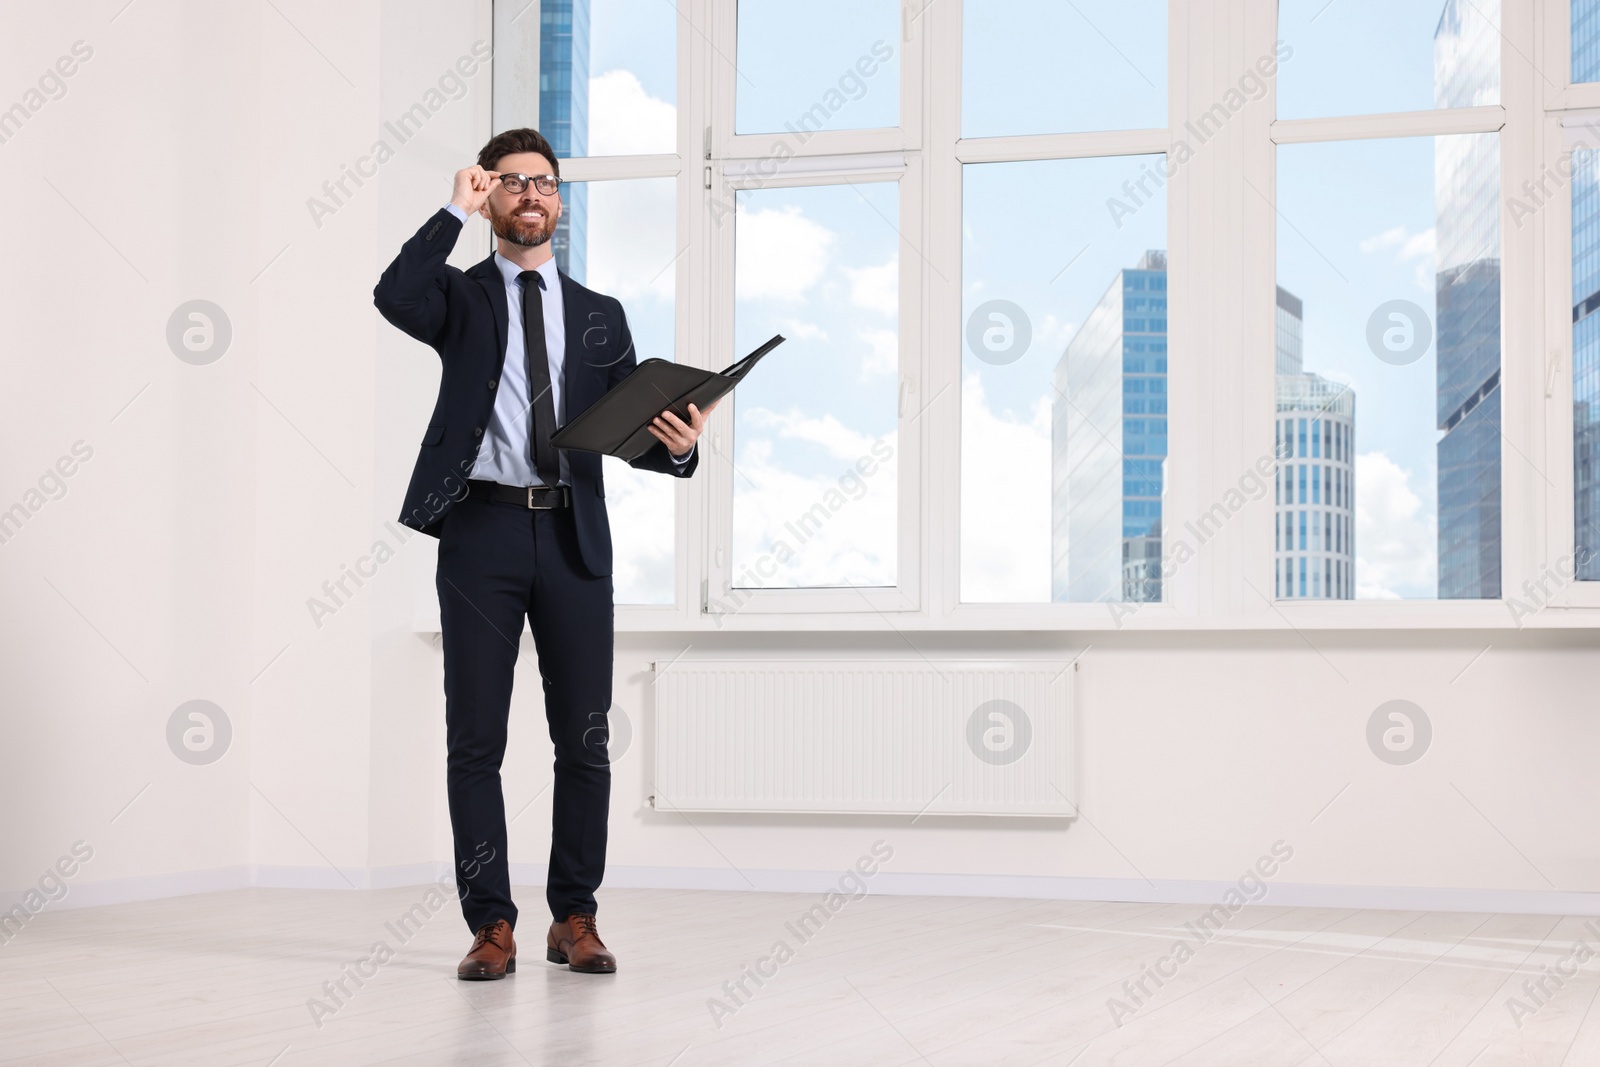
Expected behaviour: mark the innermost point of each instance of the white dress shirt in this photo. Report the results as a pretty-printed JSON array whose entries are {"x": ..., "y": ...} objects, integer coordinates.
[{"x": 506, "y": 453}]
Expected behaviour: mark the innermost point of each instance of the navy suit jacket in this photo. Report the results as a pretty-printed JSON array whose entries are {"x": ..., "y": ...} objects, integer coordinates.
[{"x": 462, "y": 316}]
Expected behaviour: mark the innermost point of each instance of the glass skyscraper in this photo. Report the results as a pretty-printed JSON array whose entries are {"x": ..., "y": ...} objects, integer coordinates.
[
  {"x": 1108, "y": 444},
  {"x": 1467, "y": 234},
  {"x": 564, "y": 117},
  {"x": 1314, "y": 517},
  {"x": 1585, "y": 302}
]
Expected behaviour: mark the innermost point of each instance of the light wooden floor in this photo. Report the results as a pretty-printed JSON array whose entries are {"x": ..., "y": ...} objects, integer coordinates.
[{"x": 224, "y": 978}]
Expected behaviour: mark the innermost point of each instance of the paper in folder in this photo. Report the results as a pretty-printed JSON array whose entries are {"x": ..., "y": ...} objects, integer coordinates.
[{"x": 618, "y": 424}]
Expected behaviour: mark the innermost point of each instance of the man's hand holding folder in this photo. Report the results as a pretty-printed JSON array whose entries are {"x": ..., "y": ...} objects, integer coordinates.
[
  {"x": 660, "y": 401},
  {"x": 670, "y": 430}
]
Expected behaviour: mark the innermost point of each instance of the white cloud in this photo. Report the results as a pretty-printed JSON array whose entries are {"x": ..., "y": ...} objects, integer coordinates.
[
  {"x": 1415, "y": 248},
  {"x": 883, "y": 353},
  {"x": 833, "y": 528},
  {"x": 876, "y": 288},
  {"x": 630, "y": 239},
  {"x": 1052, "y": 334},
  {"x": 839, "y": 440},
  {"x": 640, "y": 506},
  {"x": 1396, "y": 536},
  {"x": 796, "y": 330},
  {"x": 1005, "y": 500},
  {"x": 781, "y": 253},
  {"x": 626, "y": 120}
]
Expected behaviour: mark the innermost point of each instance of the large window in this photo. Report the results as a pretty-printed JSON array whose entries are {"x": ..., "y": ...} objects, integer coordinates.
[
  {"x": 1356, "y": 57},
  {"x": 1086, "y": 325},
  {"x": 808, "y": 212},
  {"x": 1063, "y": 379},
  {"x": 1063, "y": 303},
  {"x": 823, "y": 64},
  {"x": 1388, "y": 362},
  {"x": 814, "y": 485},
  {"x": 1389, "y": 261},
  {"x": 1043, "y": 66},
  {"x": 631, "y": 256},
  {"x": 599, "y": 79}
]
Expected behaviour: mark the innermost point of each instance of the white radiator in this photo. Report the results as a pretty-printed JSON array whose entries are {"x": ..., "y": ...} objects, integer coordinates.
[{"x": 968, "y": 737}]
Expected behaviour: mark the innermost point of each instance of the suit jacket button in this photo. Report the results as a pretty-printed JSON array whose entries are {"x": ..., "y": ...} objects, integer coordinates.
[
  {"x": 477, "y": 431},
  {"x": 431, "y": 232},
  {"x": 492, "y": 383}
]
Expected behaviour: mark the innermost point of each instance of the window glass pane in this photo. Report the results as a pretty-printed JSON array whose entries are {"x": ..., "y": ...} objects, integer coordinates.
[
  {"x": 1389, "y": 268},
  {"x": 1063, "y": 380},
  {"x": 1585, "y": 40},
  {"x": 1357, "y": 57},
  {"x": 819, "y": 65},
  {"x": 1042, "y": 66},
  {"x": 814, "y": 501},
  {"x": 1586, "y": 360},
  {"x": 628, "y": 234},
  {"x": 608, "y": 76}
]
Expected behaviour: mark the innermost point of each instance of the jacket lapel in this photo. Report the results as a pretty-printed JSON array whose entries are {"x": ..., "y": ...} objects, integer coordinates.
[
  {"x": 487, "y": 275},
  {"x": 578, "y": 372}
]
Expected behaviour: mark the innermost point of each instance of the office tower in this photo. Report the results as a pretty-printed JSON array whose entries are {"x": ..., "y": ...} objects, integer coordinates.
[
  {"x": 1467, "y": 233},
  {"x": 564, "y": 117},
  {"x": 1585, "y": 302},
  {"x": 1314, "y": 493},
  {"x": 1108, "y": 443}
]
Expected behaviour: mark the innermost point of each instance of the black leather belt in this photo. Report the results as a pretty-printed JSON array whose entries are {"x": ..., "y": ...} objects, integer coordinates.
[{"x": 537, "y": 497}]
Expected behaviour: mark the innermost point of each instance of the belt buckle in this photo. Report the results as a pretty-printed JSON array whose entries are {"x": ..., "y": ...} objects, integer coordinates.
[{"x": 538, "y": 507}]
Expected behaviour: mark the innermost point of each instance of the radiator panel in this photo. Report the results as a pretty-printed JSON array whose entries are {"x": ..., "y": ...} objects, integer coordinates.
[{"x": 972, "y": 737}]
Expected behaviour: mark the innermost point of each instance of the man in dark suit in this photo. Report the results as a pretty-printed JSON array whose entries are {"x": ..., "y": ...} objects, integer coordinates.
[{"x": 522, "y": 529}]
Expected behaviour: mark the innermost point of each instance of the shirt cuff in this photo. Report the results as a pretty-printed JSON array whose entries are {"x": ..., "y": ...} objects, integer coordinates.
[
  {"x": 686, "y": 456},
  {"x": 457, "y": 212}
]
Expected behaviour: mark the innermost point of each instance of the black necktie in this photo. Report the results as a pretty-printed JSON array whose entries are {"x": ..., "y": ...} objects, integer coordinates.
[{"x": 545, "y": 462}]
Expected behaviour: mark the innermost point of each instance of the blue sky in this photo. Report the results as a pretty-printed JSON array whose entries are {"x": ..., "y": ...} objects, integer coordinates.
[{"x": 1038, "y": 234}]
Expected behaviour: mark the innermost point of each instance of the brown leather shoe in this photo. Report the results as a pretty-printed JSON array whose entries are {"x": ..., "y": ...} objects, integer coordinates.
[
  {"x": 577, "y": 944},
  {"x": 493, "y": 955}
]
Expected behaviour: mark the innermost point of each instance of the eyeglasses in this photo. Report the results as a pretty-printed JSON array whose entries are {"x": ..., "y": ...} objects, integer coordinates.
[{"x": 516, "y": 183}]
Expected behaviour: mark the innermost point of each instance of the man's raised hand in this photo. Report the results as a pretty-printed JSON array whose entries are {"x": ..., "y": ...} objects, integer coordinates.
[{"x": 472, "y": 188}]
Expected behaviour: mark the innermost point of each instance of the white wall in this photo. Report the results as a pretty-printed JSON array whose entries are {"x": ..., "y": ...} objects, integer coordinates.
[{"x": 179, "y": 561}]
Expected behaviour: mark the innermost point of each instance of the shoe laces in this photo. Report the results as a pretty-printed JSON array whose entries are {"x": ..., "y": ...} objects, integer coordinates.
[
  {"x": 486, "y": 934},
  {"x": 584, "y": 924}
]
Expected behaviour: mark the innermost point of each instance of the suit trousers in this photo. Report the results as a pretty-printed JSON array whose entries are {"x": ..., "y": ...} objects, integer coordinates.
[{"x": 499, "y": 562}]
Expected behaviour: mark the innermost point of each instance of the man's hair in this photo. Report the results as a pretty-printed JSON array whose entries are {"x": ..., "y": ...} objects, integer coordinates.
[{"x": 511, "y": 142}]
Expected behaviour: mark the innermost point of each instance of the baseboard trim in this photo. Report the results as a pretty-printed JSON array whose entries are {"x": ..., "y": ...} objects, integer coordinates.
[{"x": 885, "y": 883}]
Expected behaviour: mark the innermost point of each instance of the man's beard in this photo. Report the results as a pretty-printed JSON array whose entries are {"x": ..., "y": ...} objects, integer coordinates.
[{"x": 529, "y": 235}]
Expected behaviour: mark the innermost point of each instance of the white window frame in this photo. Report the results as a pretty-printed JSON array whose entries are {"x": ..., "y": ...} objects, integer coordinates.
[
  {"x": 1221, "y": 243},
  {"x": 596, "y": 169},
  {"x": 1570, "y": 112},
  {"x": 733, "y": 162}
]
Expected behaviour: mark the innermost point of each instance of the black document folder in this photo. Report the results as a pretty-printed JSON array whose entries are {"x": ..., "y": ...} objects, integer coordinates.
[{"x": 618, "y": 424}]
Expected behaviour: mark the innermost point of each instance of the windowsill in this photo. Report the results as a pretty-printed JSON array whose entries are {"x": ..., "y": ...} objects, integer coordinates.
[{"x": 1357, "y": 615}]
